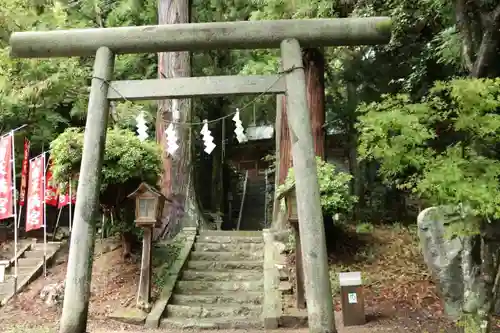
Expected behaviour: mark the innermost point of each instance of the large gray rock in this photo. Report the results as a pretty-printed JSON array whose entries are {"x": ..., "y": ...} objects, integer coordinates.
[
  {"x": 448, "y": 255},
  {"x": 52, "y": 294}
]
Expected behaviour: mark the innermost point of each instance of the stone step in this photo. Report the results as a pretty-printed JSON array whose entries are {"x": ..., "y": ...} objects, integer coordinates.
[
  {"x": 232, "y": 275},
  {"x": 229, "y": 239},
  {"x": 256, "y": 192},
  {"x": 39, "y": 248},
  {"x": 256, "y": 265},
  {"x": 226, "y": 323},
  {"x": 35, "y": 254},
  {"x": 231, "y": 233},
  {"x": 193, "y": 287},
  {"x": 29, "y": 262},
  {"x": 226, "y": 256},
  {"x": 228, "y": 247},
  {"x": 21, "y": 270},
  {"x": 213, "y": 311},
  {"x": 248, "y": 297},
  {"x": 8, "y": 285}
]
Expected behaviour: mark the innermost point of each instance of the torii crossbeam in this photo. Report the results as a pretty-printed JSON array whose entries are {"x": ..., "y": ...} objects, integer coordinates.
[{"x": 105, "y": 43}]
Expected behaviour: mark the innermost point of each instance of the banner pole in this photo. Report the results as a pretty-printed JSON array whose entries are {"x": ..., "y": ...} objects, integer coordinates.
[
  {"x": 57, "y": 224},
  {"x": 44, "y": 216},
  {"x": 14, "y": 204},
  {"x": 26, "y": 185},
  {"x": 19, "y": 215}
]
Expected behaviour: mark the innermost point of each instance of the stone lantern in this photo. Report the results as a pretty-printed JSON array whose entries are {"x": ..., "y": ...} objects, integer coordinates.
[{"x": 149, "y": 205}]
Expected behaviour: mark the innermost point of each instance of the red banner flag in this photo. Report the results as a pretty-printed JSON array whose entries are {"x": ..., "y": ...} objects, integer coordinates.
[
  {"x": 24, "y": 173},
  {"x": 6, "y": 208},
  {"x": 63, "y": 196},
  {"x": 34, "y": 219},
  {"x": 50, "y": 188}
]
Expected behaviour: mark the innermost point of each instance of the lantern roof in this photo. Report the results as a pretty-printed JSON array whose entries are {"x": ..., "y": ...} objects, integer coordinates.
[{"x": 145, "y": 187}]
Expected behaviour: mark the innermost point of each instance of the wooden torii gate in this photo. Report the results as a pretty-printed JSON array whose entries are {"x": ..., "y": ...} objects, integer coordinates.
[{"x": 289, "y": 35}]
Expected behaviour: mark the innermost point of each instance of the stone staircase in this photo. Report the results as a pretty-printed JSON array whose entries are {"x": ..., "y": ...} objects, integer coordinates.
[
  {"x": 254, "y": 205},
  {"x": 221, "y": 285},
  {"x": 29, "y": 267}
]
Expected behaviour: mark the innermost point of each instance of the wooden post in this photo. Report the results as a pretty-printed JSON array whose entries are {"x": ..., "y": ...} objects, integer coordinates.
[
  {"x": 299, "y": 270},
  {"x": 81, "y": 251},
  {"x": 277, "y": 222},
  {"x": 312, "y": 233},
  {"x": 144, "y": 292}
]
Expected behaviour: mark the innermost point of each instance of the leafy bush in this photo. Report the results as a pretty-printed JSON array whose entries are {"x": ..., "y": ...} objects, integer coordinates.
[
  {"x": 443, "y": 148},
  {"x": 127, "y": 162},
  {"x": 334, "y": 187},
  {"x": 126, "y": 158}
]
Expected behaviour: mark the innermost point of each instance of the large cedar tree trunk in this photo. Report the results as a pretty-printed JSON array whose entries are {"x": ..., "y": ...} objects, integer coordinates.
[
  {"x": 314, "y": 68},
  {"x": 176, "y": 182}
]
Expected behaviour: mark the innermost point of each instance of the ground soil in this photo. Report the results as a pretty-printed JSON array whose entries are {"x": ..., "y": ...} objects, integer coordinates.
[{"x": 399, "y": 295}]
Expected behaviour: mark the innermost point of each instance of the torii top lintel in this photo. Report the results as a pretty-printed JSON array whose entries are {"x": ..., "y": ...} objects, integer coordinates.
[{"x": 201, "y": 36}]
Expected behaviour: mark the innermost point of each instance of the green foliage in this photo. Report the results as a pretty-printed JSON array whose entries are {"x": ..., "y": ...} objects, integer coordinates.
[
  {"x": 443, "y": 147},
  {"x": 164, "y": 256},
  {"x": 334, "y": 188},
  {"x": 364, "y": 228},
  {"x": 50, "y": 95},
  {"x": 39, "y": 93},
  {"x": 127, "y": 160}
]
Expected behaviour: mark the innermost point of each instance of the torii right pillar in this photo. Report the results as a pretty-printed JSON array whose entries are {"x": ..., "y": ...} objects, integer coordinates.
[{"x": 312, "y": 232}]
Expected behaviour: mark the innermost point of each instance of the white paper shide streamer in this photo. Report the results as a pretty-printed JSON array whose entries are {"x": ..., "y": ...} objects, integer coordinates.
[
  {"x": 172, "y": 145},
  {"x": 142, "y": 127},
  {"x": 239, "y": 130},
  {"x": 208, "y": 139}
]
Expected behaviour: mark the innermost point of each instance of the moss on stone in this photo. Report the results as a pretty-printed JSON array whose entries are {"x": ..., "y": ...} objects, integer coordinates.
[{"x": 384, "y": 26}]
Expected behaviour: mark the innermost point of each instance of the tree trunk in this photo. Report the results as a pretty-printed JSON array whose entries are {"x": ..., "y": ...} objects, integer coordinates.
[
  {"x": 127, "y": 239},
  {"x": 314, "y": 63},
  {"x": 176, "y": 182},
  {"x": 278, "y": 220},
  {"x": 314, "y": 69},
  {"x": 478, "y": 23},
  {"x": 285, "y": 157}
]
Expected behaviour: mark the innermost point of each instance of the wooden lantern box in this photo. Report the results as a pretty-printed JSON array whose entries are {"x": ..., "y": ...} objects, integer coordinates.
[{"x": 149, "y": 205}]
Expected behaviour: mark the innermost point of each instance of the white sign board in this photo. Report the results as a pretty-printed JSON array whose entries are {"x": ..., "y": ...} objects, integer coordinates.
[{"x": 352, "y": 298}]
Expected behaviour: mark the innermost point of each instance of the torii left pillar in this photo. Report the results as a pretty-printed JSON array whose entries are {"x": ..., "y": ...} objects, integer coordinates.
[{"x": 81, "y": 250}]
